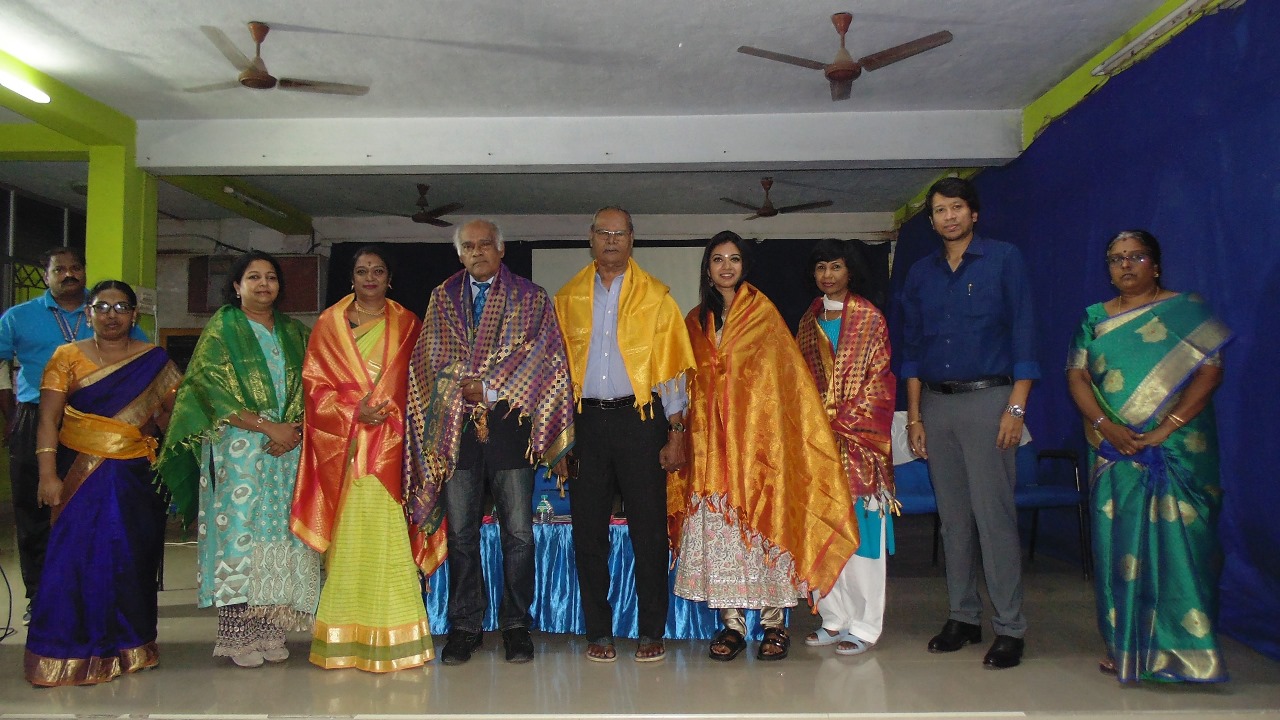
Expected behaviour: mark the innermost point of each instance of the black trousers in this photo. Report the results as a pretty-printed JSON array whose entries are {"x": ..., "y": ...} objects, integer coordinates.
[
  {"x": 617, "y": 453},
  {"x": 31, "y": 520}
]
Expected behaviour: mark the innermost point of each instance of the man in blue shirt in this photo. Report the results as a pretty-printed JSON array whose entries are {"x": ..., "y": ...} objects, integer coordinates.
[
  {"x": 29, "y": 333},
  {"x": 969, "y": 361}
]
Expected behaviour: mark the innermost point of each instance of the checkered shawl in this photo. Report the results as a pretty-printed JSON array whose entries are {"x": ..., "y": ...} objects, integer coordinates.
[{"x": 517, "y": 350}]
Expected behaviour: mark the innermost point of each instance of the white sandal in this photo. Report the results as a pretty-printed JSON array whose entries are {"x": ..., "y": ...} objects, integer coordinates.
[
  {"x": 248, "y": 660},
  {"x": 823, "y": 636},
  {"x": 856, "y": 646}
]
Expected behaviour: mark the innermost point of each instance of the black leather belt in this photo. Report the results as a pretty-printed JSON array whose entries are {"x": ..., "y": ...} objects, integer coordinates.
[
  {"x": 955, "y": 387},
  {"x": 613, "y": 404}
]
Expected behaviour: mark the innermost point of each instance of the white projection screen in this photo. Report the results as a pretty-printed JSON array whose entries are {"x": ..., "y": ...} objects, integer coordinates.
[{"x": 675, "y": 266}]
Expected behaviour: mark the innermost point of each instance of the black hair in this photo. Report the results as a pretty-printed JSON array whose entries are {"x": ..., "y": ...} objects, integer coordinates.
[
  {"x": 373, "y": 249},
  {"x": 952, "y": 187},
  {"x": 829, "y": 249},
  {"x": 712, "y": 300},
  {"x": 241, "y": 264},
  {"x": 57, "y": 250},
  {"x": 120, "y": 285},
  {"x": 1148, "y": 243}
]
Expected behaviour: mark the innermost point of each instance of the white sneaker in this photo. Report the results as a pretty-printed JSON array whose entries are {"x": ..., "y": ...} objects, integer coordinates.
[
  {"x": 248, "y": 660},
  {"x": 276, "y": 655}
]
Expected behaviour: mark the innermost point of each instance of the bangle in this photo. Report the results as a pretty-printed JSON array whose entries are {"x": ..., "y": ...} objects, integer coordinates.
[
  {"x": 917, "y": 421},
  {"x": 45, "y": 450},
  {"x": 1176, "y": 420},
  {"x": 1098, "y": 423},
  {"x": 260, "y": 421}
]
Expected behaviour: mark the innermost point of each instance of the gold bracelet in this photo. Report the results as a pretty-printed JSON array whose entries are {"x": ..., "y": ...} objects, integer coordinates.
[
  {"x": 917, "y": 421},
  {"x": 1176, "y": 420},
  {"x": 45, "y": 450}
]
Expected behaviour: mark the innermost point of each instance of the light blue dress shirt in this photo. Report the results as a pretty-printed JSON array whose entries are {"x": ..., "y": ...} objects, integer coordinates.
[{"x": 606, "y": 374}]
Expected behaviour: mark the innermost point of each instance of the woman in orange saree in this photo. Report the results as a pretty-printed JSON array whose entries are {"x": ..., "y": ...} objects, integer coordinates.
[{"x": 347, "y": 502}]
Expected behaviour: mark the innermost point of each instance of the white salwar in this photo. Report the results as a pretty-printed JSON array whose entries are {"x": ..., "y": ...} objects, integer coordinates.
[{"x": 856, "y": 601}]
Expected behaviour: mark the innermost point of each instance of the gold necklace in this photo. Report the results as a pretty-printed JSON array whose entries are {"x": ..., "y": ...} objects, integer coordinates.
[
  {"x": 370, "y": 313},
  {"x": 1154, "y": 295},
  {"x": 97, "y": 348}
]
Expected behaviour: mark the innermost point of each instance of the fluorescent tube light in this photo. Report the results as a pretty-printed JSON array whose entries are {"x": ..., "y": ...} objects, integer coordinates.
[
  {"x": 24, "y": 88},
  {"x": 252, "y": 201},
  {"x": 1148, "y": 37}
]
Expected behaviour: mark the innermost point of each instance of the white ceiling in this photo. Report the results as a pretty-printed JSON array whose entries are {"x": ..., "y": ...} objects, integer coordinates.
[{"x": 558, "y": 106}]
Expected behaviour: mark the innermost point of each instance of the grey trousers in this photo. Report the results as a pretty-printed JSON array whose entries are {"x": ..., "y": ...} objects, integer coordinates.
[{"x": 973, "y": 481}]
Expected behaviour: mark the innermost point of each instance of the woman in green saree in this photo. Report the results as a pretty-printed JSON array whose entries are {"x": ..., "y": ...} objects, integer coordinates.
[
  {"x": 232, "y": 450},
  {"x": 1142, "y": 370}
]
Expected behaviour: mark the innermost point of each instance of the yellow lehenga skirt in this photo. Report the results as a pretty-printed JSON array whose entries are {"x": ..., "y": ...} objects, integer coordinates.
[{"x": 371, "y": 614}]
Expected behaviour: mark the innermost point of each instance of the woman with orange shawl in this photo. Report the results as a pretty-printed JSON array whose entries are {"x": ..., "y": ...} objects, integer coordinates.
[
  {"x": 348, "y": 498},
  {"x": 845, "y": 342},
  {"x": 761, "y": 514}
]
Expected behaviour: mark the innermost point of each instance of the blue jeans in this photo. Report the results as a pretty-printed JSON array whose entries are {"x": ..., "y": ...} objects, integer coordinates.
[{"x": 468, "y": 601}]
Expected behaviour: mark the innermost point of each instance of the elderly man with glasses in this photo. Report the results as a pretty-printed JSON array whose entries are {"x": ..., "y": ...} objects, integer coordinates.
[{"x": 628, "y": 355}]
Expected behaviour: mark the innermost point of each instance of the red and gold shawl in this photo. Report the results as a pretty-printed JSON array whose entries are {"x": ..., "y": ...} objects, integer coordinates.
[
  {"x": 858, "y": 389},
  {"x": 654, "y": 345},
  {"x": 761, "y": 443},
  {"x": 518, "y": 352},
  {"x": 335, "y": 445}
]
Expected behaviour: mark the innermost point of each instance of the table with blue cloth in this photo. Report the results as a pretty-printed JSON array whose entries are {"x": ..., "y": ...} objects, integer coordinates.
[{"x": 557, "y": 604}]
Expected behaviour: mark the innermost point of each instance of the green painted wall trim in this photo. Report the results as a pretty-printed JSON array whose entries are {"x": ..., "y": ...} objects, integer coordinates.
[
  {"x": 68, "y": 112},
  {"x": 290, "y": 221},
  {"x": 35, "y": 143},
  {"x": 1080, "y": 84}
]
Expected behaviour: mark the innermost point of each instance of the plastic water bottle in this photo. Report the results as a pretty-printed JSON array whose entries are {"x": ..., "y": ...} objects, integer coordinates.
[{"x": 544, "y": 511}]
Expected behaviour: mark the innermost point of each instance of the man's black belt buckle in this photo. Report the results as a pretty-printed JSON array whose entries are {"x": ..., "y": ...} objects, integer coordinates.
[
  {"x": 955, "y": 387},
  {"x": 613, "y": 404}
]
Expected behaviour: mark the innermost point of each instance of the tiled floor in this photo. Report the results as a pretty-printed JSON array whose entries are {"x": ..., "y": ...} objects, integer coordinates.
[{"x": 1058, "y": 678}]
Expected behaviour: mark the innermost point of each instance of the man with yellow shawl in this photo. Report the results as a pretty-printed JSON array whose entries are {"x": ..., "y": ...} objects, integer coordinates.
[
  {"x": 488, "y": 398},
  {"x": 761, "y": 515},
  {"x": 627, "y": 350}
]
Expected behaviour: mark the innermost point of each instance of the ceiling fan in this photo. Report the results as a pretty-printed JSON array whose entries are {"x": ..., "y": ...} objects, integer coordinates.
[
  {"x": 767, "y": 210},
  {"x": 425, "y": 214},
  {"x": 844, "y": 70},
  {"x": 253, "y": 73}
]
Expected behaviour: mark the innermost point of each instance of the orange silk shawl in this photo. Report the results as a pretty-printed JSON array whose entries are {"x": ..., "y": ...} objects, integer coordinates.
[
  {"x": 334, "y": 379},
  {"x": 761, "y": 443}
]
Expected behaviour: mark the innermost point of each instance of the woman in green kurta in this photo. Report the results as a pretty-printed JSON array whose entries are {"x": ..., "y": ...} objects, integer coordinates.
[
  {"x": 1142, "y": 371},
  {"x": 233, "y": 444}
]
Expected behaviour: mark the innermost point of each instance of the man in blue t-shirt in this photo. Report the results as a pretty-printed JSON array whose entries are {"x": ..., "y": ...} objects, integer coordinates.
[
  {"x": 29, "y": 333},
  {"x": 969, "y": 360}
]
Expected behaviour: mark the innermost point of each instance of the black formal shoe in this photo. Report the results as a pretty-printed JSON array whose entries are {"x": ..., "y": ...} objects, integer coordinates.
[
  {"x": 460, "y": 646},
  {"x": 518, "y": 644},
  {"x": 955, "y": 635},
  {"x": 1005, "y": 652}
]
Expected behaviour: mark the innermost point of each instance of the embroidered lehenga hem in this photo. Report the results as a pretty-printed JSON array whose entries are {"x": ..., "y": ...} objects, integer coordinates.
[
  {"x": 727, "y": 565},
  {"x": 372, "y": 649},
  {"x": 57, "y": 672}
]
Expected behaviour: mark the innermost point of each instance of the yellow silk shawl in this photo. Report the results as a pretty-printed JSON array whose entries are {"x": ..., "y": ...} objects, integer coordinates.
[
  {"x": 654, "y": 345},
  {"x": 761, "y": 443}
]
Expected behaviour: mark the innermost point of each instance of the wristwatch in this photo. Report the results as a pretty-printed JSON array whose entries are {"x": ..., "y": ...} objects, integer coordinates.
[
  {"x": 1015, "y": 410},
  {"x": 676, "y": 426}
]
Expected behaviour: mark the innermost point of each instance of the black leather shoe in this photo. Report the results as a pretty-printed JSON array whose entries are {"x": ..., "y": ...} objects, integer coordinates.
[
  {"x": 955, "y": 635},
  {"x": 460, "y": 646},
  {"x": 1005, "y": 652},
  {"x": 518, "y": 644}
]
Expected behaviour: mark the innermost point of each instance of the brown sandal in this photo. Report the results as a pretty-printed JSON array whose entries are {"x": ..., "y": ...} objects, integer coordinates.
[
  {"x": 774, "y": 638},
  {"x": 649, "y": 649},
  {"x": 601, "y": 650}
]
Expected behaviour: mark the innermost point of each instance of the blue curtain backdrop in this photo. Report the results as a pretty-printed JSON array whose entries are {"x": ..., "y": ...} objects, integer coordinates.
[{"x": 1185, "y": 145}]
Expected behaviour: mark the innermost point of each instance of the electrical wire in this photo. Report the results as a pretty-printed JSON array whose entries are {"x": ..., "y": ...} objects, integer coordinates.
[{"x": 8, "y": 630}]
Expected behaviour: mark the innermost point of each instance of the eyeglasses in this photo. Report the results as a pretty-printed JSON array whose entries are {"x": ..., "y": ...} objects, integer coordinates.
[
  {"x": 610, "y": 233},
  {"x": 1135, "y": 258},
  {"x": 120, "y": 308}
]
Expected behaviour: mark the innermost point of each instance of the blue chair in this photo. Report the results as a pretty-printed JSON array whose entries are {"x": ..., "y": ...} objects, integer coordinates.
[
  {"x": 915, "y": 492},
  {"x": 1058, "y": 486}
]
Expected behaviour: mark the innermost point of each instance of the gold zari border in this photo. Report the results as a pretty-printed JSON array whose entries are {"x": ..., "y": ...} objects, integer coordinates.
[{"x": 54, "y": 672}]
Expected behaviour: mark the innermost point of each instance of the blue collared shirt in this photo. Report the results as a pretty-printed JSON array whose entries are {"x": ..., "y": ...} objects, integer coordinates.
[
  {"x": 971, "y": 322},
  {"x": 606, "y": 374},
  {"x": 30, "y": 332}
]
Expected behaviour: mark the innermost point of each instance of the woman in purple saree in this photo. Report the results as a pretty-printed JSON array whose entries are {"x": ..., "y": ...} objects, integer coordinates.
[{"x": 101, "y": 401}]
